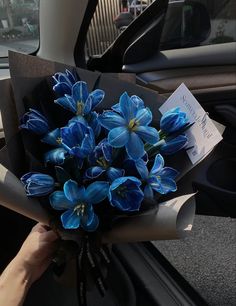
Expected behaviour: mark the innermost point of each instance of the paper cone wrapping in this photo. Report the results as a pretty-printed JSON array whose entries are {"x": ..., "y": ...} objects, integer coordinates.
[
  {"x": 13, "y": 196},
  {"x": 172, "y": 219}
]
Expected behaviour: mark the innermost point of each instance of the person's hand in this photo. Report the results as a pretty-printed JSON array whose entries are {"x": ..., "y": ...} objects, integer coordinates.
[
  {"x": 37, "y": 251},
  {"x": 29, "y": 264}
]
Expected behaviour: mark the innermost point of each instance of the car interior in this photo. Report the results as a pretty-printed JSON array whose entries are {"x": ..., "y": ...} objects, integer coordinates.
[{"x": 167, "y": 44}]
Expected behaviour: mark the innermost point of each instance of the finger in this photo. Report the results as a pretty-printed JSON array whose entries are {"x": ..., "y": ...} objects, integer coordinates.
[
  {"x": 49, "y": 236},
  {"x": 38, "y": 228}
]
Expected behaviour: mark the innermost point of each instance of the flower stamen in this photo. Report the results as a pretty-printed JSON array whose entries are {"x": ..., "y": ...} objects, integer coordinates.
[
  {"x": 132, "y": 125},
  {"x": 80, "y": 108},
  {"x": 121, "y": 191},
  {"x": 80, "y": 209},
  {"x": 59, "y": 140},
  {"x": 102, "y": 162}
]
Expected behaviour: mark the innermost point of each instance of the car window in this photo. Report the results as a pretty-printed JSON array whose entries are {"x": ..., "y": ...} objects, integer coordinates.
[
  {"x": 110, "y": 19},
  {"x": 192, "y": 23},
  {"x": 188, "y": 23},
  {"x": 19, "y": 26}
]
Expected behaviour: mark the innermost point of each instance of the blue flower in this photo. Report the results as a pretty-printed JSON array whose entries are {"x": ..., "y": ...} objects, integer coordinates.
[
  {"x": 130, "y": 127},
  {"x": 173, "y": 120},
  {"x": 63, "y": 82},
  {"x": 101, "y": 159},
  {"x": 78, "y": 203},
  {"x": 125, "y": 193},
  {"x": 135, "y": 99},
  {"x": 37, "y": 184},
  {"x": 160, "y": 179},
  {"x": 55, "y": 156},
  {"x": 80, "y": 102},
  {"x": 78, "y": 139},
  {"x": 35, "y": 122},
  {"x": 53, "y": 138},
  {"x": 173, "y": 145},
  {"x": 93, "y": 122}
]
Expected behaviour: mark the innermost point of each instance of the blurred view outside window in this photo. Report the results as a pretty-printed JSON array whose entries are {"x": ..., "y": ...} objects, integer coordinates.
[
  {"x": 110, "y": 19},
  {"x": 189, "y": 23},
  {"x": 193, "y": 23},
  {"x": 19, "y": 26}
]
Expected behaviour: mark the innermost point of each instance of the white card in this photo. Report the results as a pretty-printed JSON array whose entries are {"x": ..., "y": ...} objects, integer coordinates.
[{"x": 203, "y": 134}]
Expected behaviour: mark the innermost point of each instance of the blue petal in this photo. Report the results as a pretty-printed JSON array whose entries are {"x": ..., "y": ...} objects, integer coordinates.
[
  {"x": 169, "y": 173},
  {"x": 107, "y": 151},
  {"x": 96, "y": 192},
  {"x": 92, "y": 226},
  {"x": 53, "y": 137},
  {"x": 94, "y": 123},
  {"x": 148, "y": 134},
  {"x": 70, "y": 219},
  {"x": 130, "y": 202},
  {"x": 155, "y": 183},
  {"x": 114, "y": 173},
  {"x": 59, "y": 201},
  {"x": 35, "y": 190},
  {"x": 135, "y": 199},
  {"x": 148, "y": 192},
  {"x": 142, "y": 168},
  {"x": 62, "y": 88},
  {"x": 67, "y": 102},
  {"x": 167, "y": 185},
  {"x": 56, "y": 156},
  {"x": 144, "y": 116},
  {"x": 174, "y": 145},
  {"x": 66, "y": 77},
  {"x": 94, "y": 99},
  {"x": 73, "y": 192},
  {"x": 118, "y": 137},
  {"x": 25, "y": 177},
  {"x": 88, "y": 215},
  {"x": 88, "y": 143},
  {"x": 37, "y": 178},
  {"x": 73, "y": 135},
  {"x": 87, "y": 106},
  {"x": 116, "y": 108},
  {"x": 80, "y": 92},
  {"x": 128, "y": 107},
  {"x": 134, "y": 147},
  {"x": 158, "y": 165},
  {"x": 33, "y": 114},
  {"x": 125, "y": 180},
  {"x": 110, "y": 120},
  {"x": 77, "y": 152},
  {"x": 79, "y": 119},
  {"x": 173, "y": 120},
  {"x": 119, "y": 203},
  {"x": 78, "y": 131},
  {"x": 138, "y": 101},
  {"x": 71, "y": 77},
  {"x": 61, "y": 78},
  {"x": 36, "y": 125},
  {"x": 94, "y": 172}
]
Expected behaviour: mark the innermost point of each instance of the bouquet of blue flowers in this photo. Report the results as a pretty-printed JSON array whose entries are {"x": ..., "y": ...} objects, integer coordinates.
[
  {"x": 92, "y": 154},
  {"x": 102, "y": 160}
]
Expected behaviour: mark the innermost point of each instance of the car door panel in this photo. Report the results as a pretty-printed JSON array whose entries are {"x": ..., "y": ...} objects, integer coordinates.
[
  {"x": 195, "y": 78},
  {"x": 220, "y": 54}
]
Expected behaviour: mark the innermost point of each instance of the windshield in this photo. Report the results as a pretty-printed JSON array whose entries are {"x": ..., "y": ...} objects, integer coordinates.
[{"x": 19, "y": 26}]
